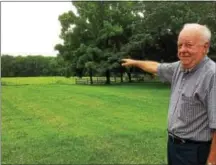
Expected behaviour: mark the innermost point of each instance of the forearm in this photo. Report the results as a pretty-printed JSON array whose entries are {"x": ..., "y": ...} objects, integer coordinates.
[
  {"x": 148, "y": 66},
  {"x": 212, "y": 154}
]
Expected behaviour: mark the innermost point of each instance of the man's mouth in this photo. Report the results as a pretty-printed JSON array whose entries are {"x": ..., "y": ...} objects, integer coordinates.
[{"x": 185, "y": 56}]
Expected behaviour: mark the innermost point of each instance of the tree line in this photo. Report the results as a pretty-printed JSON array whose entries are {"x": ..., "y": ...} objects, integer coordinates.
[
  {"x": 30, "y": 66},
  {"x": 101, "y": 33}
]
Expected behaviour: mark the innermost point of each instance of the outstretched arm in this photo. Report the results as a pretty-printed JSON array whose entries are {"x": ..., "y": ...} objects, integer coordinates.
[{"x": 148, "y": 66}]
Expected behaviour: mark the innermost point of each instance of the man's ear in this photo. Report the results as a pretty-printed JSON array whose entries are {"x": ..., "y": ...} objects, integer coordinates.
[{"x": 207, "y": 45}]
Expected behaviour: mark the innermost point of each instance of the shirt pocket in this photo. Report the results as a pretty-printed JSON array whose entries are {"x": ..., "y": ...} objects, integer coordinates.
[{"x": 188, "y": 108}]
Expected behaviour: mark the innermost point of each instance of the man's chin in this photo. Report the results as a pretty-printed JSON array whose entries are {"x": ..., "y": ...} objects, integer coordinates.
[{"x": 186, "y": 65}]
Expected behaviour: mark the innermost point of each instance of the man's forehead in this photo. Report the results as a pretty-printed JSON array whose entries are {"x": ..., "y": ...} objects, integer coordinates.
[
  {"x": 188, "y": 36},
  {"x": 189, "y": 33}
]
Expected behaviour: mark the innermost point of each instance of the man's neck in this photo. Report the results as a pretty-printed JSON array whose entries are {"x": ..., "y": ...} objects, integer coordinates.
[{"x": 188, "y": 68}]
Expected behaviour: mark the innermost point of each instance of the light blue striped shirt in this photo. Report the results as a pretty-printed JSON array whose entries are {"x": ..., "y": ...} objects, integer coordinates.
[{"x": 192, "y": 109}]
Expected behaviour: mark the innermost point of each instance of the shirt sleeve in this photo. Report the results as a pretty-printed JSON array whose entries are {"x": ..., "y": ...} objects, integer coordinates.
[
  {"x": 211, "y": 102},
  {"x": 165, "y": 71}
]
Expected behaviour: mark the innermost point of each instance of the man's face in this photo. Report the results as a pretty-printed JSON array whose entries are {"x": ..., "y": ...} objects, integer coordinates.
[{"x": 191, "y": 49}]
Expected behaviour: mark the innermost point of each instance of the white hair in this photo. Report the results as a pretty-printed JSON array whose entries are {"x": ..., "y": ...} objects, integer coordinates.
[{"x": 202, "y": 29}]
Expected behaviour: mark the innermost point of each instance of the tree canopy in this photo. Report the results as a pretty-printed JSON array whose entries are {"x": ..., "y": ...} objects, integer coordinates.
[{"x": 104, "y": 32}]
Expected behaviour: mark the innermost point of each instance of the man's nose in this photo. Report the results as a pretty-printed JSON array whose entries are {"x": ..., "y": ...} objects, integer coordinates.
[{"x": 182, "y": 48}]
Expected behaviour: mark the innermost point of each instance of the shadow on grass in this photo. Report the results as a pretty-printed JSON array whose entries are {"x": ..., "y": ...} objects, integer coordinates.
[{"x": 149, "y": 85}]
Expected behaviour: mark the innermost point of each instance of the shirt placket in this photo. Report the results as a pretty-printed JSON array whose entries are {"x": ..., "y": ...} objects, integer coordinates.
[{"x": 178, "y": 94}]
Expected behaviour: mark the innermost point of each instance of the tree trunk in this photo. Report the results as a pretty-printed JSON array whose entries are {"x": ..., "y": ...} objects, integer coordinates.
[
  {"x": 129, "y": 76},
  {"x": 121, "y": 77},
  {"x": 91, "y": 76},
  {"x": 107, "y": 77}
]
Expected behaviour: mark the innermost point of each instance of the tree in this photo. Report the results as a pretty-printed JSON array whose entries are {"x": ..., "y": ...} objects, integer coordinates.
[
  {"x": 104, "y": 32},
  {"x": 7, "y": 66}
]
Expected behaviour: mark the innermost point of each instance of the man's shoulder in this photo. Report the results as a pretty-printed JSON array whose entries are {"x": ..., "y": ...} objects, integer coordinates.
[
  {"x": 210, "y": 67},
  {"x": 174, "y": 64},
  {"x": 168, "y": 65}
]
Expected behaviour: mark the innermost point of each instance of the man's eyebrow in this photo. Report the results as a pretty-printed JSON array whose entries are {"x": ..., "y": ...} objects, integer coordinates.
[{"x": 187, "y": 42}]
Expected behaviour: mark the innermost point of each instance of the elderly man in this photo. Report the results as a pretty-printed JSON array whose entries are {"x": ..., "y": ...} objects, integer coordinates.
[{"x": 192, "y": 109}]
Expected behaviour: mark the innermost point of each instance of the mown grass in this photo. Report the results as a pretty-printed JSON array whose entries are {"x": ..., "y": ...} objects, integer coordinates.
[
  {"x": 36, "y": 80},
  {"x": 78, "y": 124}
]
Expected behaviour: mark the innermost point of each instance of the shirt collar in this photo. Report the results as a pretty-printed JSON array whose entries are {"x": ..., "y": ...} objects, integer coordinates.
[{"x": 195, "y": 67}]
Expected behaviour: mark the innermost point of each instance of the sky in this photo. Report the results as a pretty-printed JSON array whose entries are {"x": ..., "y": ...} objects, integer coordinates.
[{"x": 31, "y": 28}]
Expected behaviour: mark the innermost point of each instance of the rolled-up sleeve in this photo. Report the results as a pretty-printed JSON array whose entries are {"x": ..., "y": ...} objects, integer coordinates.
[
  {"x": 211, "y": 102},
  {"x": 165, "y": 71}
]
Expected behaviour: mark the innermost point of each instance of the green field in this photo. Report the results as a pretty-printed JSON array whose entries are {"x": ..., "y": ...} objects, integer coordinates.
[{"x": 53, "y": 121}]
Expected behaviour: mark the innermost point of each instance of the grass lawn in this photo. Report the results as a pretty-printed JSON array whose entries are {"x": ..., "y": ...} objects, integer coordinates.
[{"x": 63, "y": 123}]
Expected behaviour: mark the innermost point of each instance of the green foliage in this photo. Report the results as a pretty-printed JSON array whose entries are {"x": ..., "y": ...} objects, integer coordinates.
[
  {"x": 141, "y": 30},
  {"x": 32, "y": 66},
  {"x": 98, "y": 33}
]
